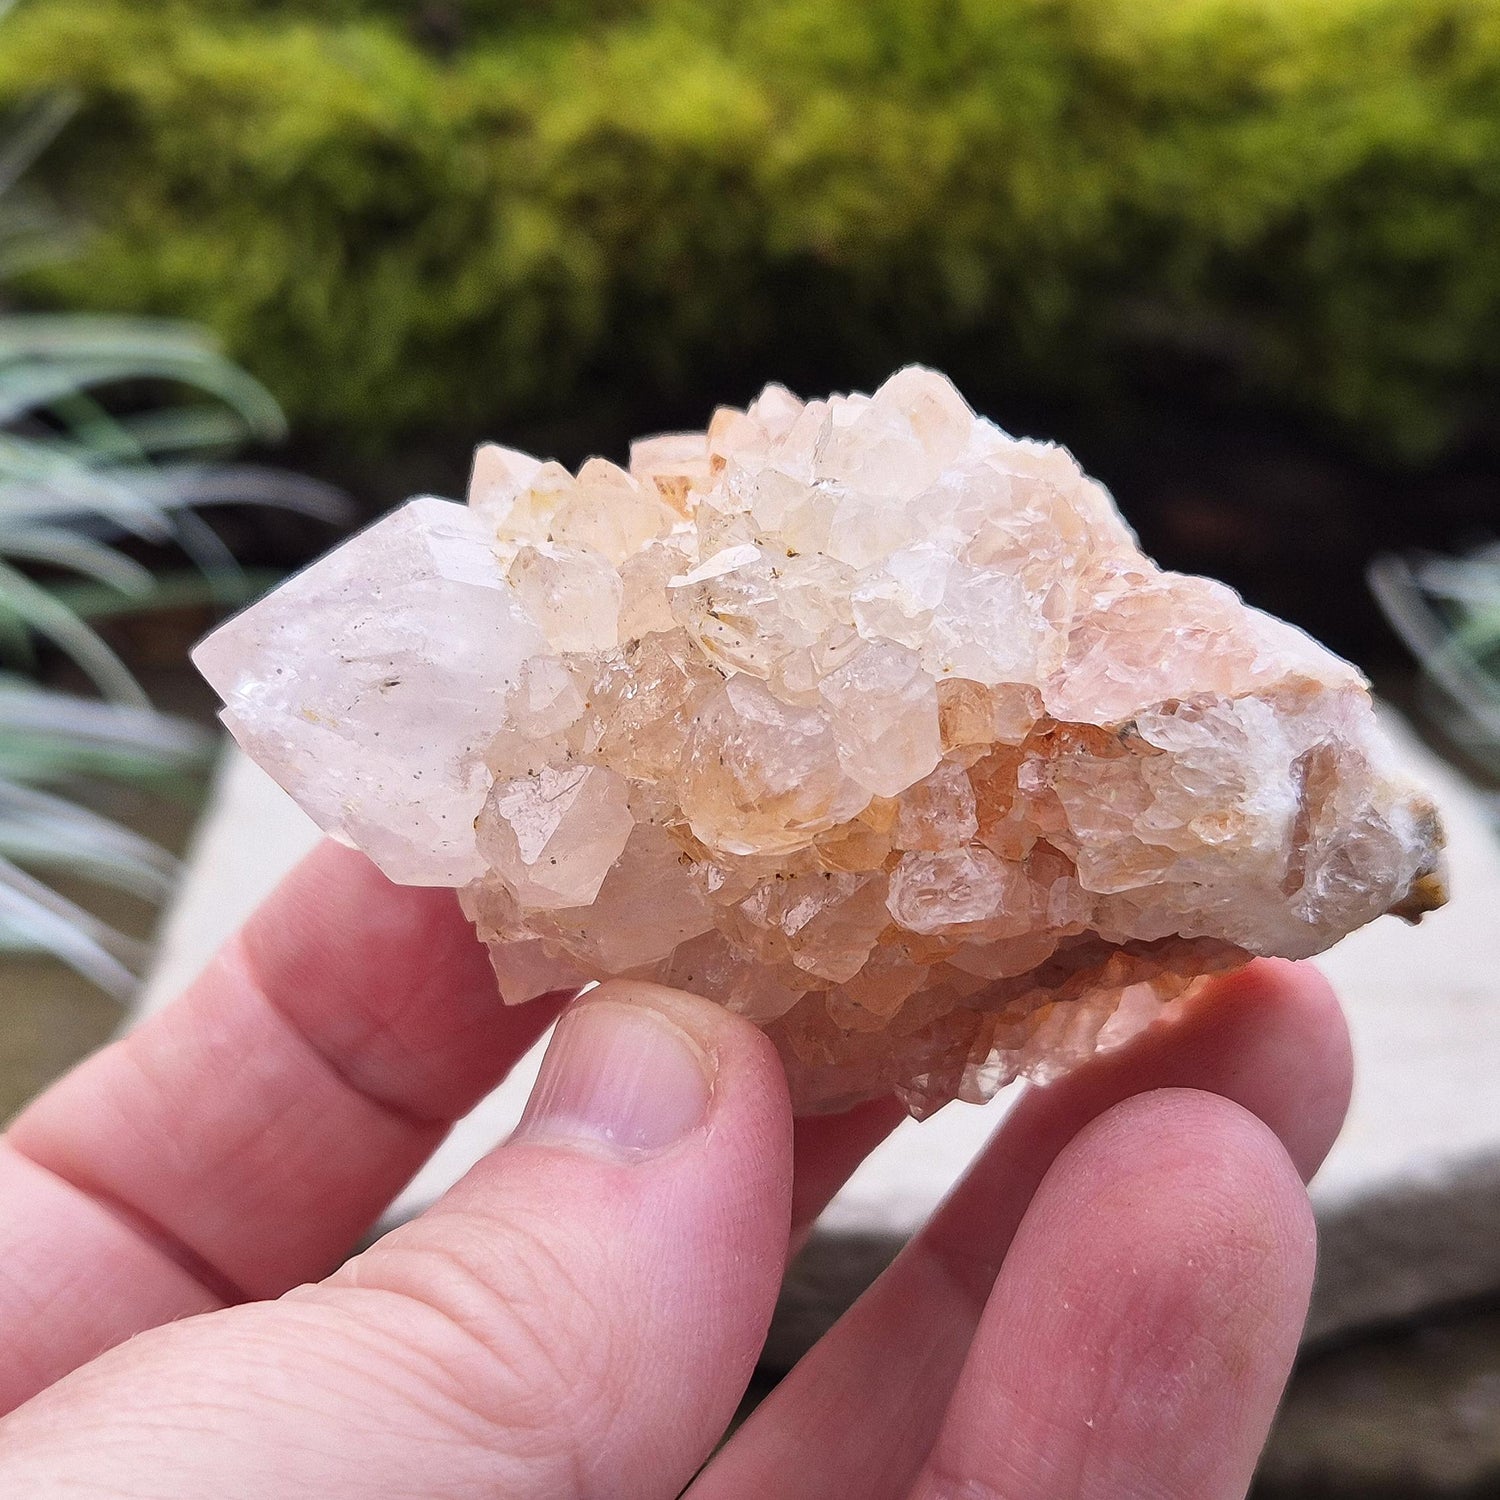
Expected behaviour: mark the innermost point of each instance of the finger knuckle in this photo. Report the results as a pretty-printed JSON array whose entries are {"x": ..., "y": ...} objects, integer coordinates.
[{"x": 519, "y": 1331}]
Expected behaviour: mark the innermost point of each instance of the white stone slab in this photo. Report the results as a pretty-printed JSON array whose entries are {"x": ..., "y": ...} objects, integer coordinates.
[
  {"x": 1408, "y": 1203},
  {"x": 250, "y": 835}
]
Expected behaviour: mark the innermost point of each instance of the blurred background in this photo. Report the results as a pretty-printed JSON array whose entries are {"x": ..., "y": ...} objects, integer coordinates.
[{"x": 269, "y": 266}]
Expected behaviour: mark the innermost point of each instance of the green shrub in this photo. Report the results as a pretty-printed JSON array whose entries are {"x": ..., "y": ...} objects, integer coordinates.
[{"x": 495, "y": 212}]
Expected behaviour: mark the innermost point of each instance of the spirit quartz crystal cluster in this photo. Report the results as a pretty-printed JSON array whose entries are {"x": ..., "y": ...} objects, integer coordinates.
[{"x": 858, "y": 716}]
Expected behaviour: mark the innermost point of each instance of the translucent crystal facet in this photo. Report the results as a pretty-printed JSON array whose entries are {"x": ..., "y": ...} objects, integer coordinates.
[
  {"x": 858, "y": 716},
  {"x": 371, "y": 683}
]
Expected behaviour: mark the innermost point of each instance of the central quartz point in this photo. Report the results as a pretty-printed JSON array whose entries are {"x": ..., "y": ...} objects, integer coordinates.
[{"x": 858, "y": 716}]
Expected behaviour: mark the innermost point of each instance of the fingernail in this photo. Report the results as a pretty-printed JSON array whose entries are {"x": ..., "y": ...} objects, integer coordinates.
[{"x": 623, "y": 1077}]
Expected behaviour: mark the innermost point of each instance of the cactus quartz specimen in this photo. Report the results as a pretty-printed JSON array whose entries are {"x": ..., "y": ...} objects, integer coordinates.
[{"x": 859, "y": 716}]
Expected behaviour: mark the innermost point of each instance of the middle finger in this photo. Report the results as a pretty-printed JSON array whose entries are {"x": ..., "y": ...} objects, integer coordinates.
[{"x": 860, "y": 1412}]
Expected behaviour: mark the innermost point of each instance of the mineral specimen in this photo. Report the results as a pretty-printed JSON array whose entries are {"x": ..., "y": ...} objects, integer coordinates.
[{"x": 859, "y": 716}]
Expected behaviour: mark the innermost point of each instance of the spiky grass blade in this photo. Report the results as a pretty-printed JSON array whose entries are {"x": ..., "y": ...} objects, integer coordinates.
[
  {"x": 77, "y": 478},
  {"x": 42, "y": 611},
  {"x": 34, "y": 917},
  {"x": 48, "y": 737},
  {"x": 44, "y": 831},
  {"x": 1447, "y": 611}
]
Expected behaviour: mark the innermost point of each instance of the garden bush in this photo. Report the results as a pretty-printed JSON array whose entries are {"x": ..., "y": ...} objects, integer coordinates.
[{"x": 450, "y": 218}]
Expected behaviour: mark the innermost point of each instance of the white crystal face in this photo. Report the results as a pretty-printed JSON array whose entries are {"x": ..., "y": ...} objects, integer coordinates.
[
  {"x": 859, "y": 716},
  {"x": 370, "y": 684}
]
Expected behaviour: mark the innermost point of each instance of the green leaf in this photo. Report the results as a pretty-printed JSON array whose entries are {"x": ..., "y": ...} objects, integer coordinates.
[
  {"x": 36, "y": 915},
  {"x": 148, "y": 349},
  {"x": 77, "y": 477},
  {"x": 37, "y": 129},
  {"x": 175, "y": 590},
  {"x": 41, "y": 830},
  {"x": 79, "y": 554},
  {"x": 48, "y": 617},
  {"x": 29, "y": 714}
]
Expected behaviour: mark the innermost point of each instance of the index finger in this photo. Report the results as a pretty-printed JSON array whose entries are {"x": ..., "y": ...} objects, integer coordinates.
[{"x": 243, "y": 1139}]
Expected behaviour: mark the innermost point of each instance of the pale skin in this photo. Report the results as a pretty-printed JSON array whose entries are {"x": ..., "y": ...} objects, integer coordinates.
[{"x": 1108, "y": 1306}]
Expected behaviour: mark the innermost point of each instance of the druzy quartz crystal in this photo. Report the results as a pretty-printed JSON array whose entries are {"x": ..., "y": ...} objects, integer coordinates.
[{"x": 858, "y": 716}]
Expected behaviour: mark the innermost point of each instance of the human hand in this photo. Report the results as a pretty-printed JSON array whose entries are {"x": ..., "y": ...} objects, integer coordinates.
[{"x": 1106, "y": 1307}]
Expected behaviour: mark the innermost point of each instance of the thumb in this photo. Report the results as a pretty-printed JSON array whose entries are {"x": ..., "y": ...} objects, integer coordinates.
[{"x": 579, "y": 1316}]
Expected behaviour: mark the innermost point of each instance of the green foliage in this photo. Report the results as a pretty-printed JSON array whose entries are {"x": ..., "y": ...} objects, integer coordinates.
[
  {"x": 77, "y": 479},
  {"x": 1447, "y": 610},
  {"x": 462, "y": 215}
]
